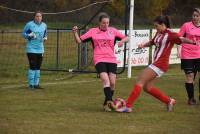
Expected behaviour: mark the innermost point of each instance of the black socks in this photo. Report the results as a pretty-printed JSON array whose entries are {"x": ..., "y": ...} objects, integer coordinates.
[
  {"x": 108, "y": 94},
  {"x": 190, "y": 90}
]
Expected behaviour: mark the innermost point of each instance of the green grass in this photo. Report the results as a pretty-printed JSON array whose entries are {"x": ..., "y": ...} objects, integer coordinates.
[
  {"x": 13, "y": 52},
  {"x": 72, "y": 103}
]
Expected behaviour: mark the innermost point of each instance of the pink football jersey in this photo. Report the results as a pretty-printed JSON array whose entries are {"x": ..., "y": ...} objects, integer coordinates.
[
  {"x": 103, "y": 43},
  {"x": 190, "y": 31}
]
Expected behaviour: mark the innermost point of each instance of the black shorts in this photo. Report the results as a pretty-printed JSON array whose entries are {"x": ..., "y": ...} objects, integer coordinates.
[
  {"x": 106, "y": 67},
  {"x": 35, "y": 60},
  {"x": 190, "y": 65}
]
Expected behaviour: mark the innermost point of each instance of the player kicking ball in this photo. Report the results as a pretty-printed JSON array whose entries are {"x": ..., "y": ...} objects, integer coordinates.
[
  {"x": 103, "y": 40},
  {"x": 164, "y": 41}
]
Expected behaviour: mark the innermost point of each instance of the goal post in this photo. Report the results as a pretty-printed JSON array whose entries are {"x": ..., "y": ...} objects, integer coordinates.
[{"x": 131, "y": 38}]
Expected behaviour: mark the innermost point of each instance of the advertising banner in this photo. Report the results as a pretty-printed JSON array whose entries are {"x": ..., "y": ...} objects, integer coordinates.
[{"x": 140, "y": 57}]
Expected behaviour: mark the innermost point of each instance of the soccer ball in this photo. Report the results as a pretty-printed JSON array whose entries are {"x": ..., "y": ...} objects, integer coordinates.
[{"x": 119, "y": 103}]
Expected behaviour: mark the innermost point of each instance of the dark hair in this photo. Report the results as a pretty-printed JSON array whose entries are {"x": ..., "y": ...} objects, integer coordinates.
[
  {"x": 163, "y": 19},
  {"x": 102, "y": 16},
  {"x": 196, "y": 10},
  {"x": 37, "y": 12}
]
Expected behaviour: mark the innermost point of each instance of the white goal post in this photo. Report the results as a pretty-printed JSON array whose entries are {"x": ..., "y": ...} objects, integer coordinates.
[{"x": 131, "y": 37}]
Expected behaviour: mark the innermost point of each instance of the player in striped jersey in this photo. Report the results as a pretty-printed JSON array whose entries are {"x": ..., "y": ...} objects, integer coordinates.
[
  {"x": 164, "y": 40},
  {"x": 190, "y": 54}
]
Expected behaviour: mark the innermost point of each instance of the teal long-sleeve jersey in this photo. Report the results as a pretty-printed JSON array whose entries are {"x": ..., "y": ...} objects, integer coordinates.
[{"x": 35, "y": 44}]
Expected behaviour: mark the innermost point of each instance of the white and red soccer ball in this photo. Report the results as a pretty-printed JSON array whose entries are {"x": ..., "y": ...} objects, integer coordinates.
[{"x": 119, "y": 103}]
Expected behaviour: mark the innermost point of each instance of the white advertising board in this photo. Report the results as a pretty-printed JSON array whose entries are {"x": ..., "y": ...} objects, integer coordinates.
[{"x": 140, "y": 57}]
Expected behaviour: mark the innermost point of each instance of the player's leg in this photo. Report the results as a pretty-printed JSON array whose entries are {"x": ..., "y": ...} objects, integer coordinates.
[
  {"x": 149, "y": 88},
  {"x": 32, "y": 67},
  {"x": 188, "y": 66},
  {"x": 197, "y": 68},
  {"x": 157, "y": 93},
  {"x": 102, "y": 70},
  {"x": 108, "y": 102},
  {"x": 112, "y": 69},
  {"x": 199, "y": 84},
  {"x": 195, "y": 73},
  {"x": 37, "y": 71},
  {"x": 147, "y": 75},
  {"x": 106, "y": 85},
  {"x": 112, "y": 78},
  {"x": 189, "y": 85}
]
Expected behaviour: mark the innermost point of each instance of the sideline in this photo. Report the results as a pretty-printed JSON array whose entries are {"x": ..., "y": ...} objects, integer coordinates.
[{"x": 55, "y": 83}]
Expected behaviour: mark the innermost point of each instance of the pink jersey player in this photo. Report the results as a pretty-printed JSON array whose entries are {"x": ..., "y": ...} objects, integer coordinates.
[
  {"x": 192, "y": 32},
  {"x": 103, "y": 42},
  {"x": 103, "y": 39},
  {"x": 190, "y": 54}
]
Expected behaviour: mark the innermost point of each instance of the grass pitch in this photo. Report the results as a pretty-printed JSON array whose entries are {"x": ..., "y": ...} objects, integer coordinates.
[{"x": 72, "y": 104}]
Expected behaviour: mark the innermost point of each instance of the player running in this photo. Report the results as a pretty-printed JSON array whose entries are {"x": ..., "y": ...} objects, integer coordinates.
[
  {"x": 164, "y": 41},
  {"x": 103, "y": 39}
]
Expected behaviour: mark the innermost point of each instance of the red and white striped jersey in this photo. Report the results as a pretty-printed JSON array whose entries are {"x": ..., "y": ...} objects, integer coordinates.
[{"x": 164, "y": 43}]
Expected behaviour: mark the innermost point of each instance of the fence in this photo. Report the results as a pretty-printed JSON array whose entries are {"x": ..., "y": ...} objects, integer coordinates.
[{"x": 63, "y": 54}]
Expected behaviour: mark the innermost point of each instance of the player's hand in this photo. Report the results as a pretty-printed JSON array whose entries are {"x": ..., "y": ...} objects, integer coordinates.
[
  {"x": 75, "y": 29},
  {"x": 45, "y": 39},
  {"x": 120, "y": 44},
  {"x": 32, "y": 35},
  {"x": 178, "y": 51},
  {"x": 141, "y": 46},
  {"x": 196, "y": 43}
]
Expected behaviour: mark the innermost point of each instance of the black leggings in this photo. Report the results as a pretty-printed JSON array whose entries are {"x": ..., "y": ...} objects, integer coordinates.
[{"x": 35, "y": 60}]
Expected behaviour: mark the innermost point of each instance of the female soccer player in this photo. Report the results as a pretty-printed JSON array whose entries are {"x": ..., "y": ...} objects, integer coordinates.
[
  {"x": 103, "y": 39},
  {"x": 164, "y": 41},
  {"x": 190, "y": 54},
  {"x": 35, "y": 32}
]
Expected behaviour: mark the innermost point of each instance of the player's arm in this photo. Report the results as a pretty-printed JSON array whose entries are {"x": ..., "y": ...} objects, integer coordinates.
[
  {"x": 143, "y": 45},
  {"x": 147, "y": 44},
  {"x": 125, "y": 39},
  {"x": 179, "y": 51},
  {"x": 188, "y": 41},
  {"x": 179, "y": 40},
  {"x": 121, "y": 37},
  {"x": 76, "y": 36},
  {"x": 26, "y": 31},
  {"x": 181, "y": 33},
  {"x": 45, "y": 34}
]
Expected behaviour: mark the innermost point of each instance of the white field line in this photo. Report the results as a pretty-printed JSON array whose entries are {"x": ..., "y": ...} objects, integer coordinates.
[
  {"x": 68, "y": 82},
  {"x": 54, "y": 83}
]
